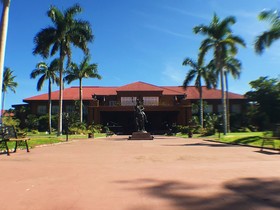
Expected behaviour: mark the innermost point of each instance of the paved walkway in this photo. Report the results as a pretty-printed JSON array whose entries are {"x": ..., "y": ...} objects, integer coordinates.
[{"x": 167, "y": 173}]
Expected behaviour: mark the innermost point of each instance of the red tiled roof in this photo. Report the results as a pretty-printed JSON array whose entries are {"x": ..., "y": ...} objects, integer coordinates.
[
  {"x": 72, "y": 93},
  {"x": 139, "y": 86},
  {"x": 193, "y": 93}
]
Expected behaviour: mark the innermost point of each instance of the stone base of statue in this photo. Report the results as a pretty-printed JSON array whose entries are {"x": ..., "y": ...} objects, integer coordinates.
[{"x": 141, "y": 135}]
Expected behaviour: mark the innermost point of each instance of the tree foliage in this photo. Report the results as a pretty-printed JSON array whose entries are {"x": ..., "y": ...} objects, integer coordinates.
[
  {"x": 265, "y": 102},
  {"x": 223, "y": 43},
  {"x": 66, "y": 31}
]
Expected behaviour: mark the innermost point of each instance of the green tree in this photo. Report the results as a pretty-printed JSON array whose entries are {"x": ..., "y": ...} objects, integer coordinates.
[
  {"x": 265, "y": 99},
  {"x": 268, "y": 37},
  {"x": 221, "y": 41},
  {"x": 59, "y": 38},
  {"x": 8, "y": 83},
  {"x": 47, "y": 73},
  {"x": 197, "y": 73},
  {"x": 79, "y": 72},
  {"x": 232, "y": 66},
  {"x": 4, "y": 29}
]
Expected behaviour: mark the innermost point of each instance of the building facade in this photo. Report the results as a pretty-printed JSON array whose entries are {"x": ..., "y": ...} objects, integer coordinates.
[{"x": 114, "y": 106}]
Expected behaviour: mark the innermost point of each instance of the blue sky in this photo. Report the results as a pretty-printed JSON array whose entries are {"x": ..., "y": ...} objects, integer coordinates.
[{"x": 143, "y": 40}]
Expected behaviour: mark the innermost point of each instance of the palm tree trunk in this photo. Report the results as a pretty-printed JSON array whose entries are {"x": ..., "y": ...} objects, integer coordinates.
[
  {"x": 223, "y": 102},
  {"x": 4, "y": 28},
  {"x": 50, "y": 107},
  {"x": 81, "y": 101},
  {"x": 3, "y": 105},
  {"x": 227, "y": 103},
  {"x": 59, "y": 129},
  {"x": 200, "y": 105}
]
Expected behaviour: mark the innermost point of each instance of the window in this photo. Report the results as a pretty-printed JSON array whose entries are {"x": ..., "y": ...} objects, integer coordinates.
[
  {"x": 70, "y": 108},
  {"x": 42, "y": 109},
  {"x": 236, "y": 108},
  {"x": 151, "y": 101},
  {"x": 55, "y": 109},
  {"x": 220, "y": 108},
  {"x": 112, "y": 103},
  {"x": 128, "y": 101},
  {"x": 208, "y": 108}
]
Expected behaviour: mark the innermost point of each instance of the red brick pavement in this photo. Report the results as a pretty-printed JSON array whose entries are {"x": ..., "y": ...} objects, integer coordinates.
[{"x": 166, "y": 173}]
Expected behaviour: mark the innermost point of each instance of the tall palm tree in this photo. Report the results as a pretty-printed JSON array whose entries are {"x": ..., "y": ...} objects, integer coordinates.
[
  {"x": 223, "y": 43},
  {"x": 268, "y": 37},
  {"x": 78, "y": 72},
  {"x": 231, "y": 66},
  {"x": 47, "y": 73},
  {"x": 4, "y": 28},
  {"x": 197, "y": 73},
  {"x": 8, "y": 83},
  {"x": 59, "y": 38}
]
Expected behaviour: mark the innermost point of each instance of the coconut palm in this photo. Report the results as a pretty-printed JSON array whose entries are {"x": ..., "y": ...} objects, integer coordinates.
[
  {"x": 8, "y": 83},
  {"x": 231, "y": 66},
  {"x": 222, "y": 42},
  {"x": 4, "y": 28},
  {"x": 59, "y": 38},
  {"x": 47, "y": 73},
  {"x": 78, "y": 72},
  {"x": 197, "y": 73},
  {"x": 268, "y": 37}
]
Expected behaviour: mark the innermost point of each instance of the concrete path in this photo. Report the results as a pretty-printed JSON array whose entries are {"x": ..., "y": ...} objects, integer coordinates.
[{"x": 166, "y": 173}]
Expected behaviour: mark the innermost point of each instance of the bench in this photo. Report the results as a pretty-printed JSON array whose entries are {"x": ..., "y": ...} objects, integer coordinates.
[
  {"x": 9, "y": 134},
  {"x": 270, "y": 139}
]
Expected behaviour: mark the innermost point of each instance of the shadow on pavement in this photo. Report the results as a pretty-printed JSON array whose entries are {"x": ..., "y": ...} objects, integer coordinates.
[
  {"x": 203, "y": 144},
  {"x": 245, "y": 193}
]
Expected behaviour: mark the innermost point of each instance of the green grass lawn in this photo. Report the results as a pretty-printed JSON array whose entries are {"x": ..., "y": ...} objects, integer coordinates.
[
  {"x": 246, "y": 138},
  {"x": 42, "y": 139}
]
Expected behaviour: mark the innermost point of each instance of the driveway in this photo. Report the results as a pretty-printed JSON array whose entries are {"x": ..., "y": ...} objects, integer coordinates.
[{"x": 166, "y": 173}]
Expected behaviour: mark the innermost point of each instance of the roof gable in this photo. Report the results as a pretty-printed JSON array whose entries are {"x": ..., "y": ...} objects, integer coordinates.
[{"x": 139, "y": 86}]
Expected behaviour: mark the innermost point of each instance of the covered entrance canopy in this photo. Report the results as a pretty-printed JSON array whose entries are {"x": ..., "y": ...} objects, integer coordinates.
[{"x": 123, "y": 122}]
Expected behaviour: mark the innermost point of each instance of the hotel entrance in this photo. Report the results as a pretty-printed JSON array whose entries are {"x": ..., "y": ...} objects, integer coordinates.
[{"x": 123, "y": 122}]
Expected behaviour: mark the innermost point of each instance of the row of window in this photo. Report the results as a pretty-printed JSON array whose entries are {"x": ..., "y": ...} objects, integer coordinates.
[
  {"x": 42, "y": 109},
  {"x": 235, "y": 108},
  {"x": 147, "y": 101},
  {"x": 131, "y": 101}
]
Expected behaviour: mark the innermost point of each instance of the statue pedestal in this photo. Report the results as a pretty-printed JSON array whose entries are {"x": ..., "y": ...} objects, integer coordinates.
[{"x": 141, "y": 135}]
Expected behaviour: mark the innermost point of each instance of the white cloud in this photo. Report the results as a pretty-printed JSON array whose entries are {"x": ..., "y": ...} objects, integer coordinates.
[
  {"x": 173, "y": 75},
  {"x": 167, "y": 31},
  {"x": 187, "y": 13}
]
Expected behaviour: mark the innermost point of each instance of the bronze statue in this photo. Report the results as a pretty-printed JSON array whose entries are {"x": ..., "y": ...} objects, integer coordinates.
[{"x": 140, "y": 116}]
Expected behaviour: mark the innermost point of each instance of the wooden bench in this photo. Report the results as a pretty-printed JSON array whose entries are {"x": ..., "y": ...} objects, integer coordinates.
[
  {"x": 9, "y": 134},
  {"x": 270, "y": 139}
]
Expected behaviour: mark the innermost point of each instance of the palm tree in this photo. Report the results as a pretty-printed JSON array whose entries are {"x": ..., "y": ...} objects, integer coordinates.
[
  {"x": 4, "y": 28},
  {"x": 78, "y": 72},
  {"x": 8, "y": 83},
  {"x": 271, "y": 35},
  {"x": 223, "y": 43},
  {"x": 231, "y": 66},
  {"x": 47, "y": 73},
  {"x": 198, "y": 73},
  {"x": 59, "y": 38}
]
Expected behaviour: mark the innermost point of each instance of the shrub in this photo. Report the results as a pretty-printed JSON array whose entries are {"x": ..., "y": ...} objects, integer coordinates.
[
  {"x": 35, "y": 132},
  {"x": 182, "y": 129},
  {"x": 9, "y": 121}
]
